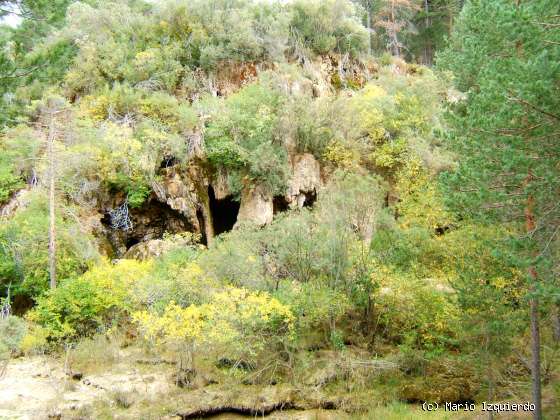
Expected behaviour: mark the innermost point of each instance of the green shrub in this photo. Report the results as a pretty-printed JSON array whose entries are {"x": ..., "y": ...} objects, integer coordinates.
[
  {"x": 242, "y": 137},
  {"x": 84, "y": 305},
  {"x": 328, "y": 26},
  {"x": 12, "y": 331},
  {"x": 9, "y": 182},
  {"x": 24, "y": 249}
]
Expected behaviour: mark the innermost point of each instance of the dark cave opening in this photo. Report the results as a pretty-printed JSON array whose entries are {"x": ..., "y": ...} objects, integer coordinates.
[
  {"x": 130, "y": 242},
  {"x": 168, "y": 161},
  {"x": 310, "y": 198},
  {"x": 279, "y": 204},
  {"x": 224, "y": 212},
  {"x": 149, "y": 221}
]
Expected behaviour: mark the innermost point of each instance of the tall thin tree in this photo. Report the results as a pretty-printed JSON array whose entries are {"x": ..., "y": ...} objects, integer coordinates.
[{"x": 51, "y": 135}]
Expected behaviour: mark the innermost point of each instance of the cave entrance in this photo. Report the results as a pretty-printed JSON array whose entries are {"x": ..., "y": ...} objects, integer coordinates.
[
  {"x": 224, "y": 212},
  {"x": 279, "y": 204},
  {"x": 310, "y": 198},
  {"x": 149, "y": 221}
]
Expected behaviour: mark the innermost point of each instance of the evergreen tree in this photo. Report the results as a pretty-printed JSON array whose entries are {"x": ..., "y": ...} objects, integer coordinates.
[{"x": 506, "y": 58}]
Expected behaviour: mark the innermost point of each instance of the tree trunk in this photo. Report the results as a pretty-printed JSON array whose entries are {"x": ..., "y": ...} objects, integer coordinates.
[
  {"x": 369, "y": 28},
  {"x": 534, "y": 309},
  {"x": 428, "y": 47},
  {"x": 556, "y": 322},
  {"x": 536, "y": 358},
  {"x": 208, "y": 222},
  {"x": 52, "y": 226},
  {"x": 395, "y": 39}
]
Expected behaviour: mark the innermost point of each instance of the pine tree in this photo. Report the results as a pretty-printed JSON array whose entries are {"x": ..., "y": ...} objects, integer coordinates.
[{"x": 506, "y": 57}]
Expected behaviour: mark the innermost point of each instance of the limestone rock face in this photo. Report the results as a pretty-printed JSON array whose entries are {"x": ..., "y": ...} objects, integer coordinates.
[
  {"x": 220, "y": 186},
  {"x": 256, "y": 206},
  {"x": 178, "y": 191},
  {"x": 156, "y": 247},
  {"x": 146, "y": 250},
  {"x": 305, "y": 180},
  {"x": 19, "y": 200}
]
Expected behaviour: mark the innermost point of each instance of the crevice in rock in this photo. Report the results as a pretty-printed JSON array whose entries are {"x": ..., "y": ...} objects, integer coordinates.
[
  {"x": 258, "y": 410},
  {"x": 262, "y": 410},
  {"x": 201, "y": 223},
  {"x": 224, "y": 212},
  {"x": 279, "y": 204}
]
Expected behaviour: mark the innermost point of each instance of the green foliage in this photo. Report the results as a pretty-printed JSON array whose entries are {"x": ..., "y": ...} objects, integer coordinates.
[
  {"x": 385, "y": 259},
  {"x": 24, "y": 249},
  {"x": 242, "y": 136},
  {"x": 12, "y": 332},
  {"x": 508, "y": 171},
  {"x": 314, "y": 305},
  {"x": 175, "y": 279},
  {"x": 18, "y": 148},
  {"x": 9, "y": 182},
  {"x": 84, "y": 305},
  {"x": 325, "y": 26},
  {"x": 240, "y": 321}
]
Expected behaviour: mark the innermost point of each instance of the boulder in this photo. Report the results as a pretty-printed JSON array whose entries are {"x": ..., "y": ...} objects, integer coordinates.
[
  {"x": 146, "y": 250},
  {"x": 256, "y": 206}
]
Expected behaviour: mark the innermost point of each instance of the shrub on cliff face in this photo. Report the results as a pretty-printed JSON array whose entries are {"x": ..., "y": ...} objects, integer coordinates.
[
  {"x": 19, "y": 149},
  {"x": 327, "y": 26},
  {"x": 242, "y": 137}
]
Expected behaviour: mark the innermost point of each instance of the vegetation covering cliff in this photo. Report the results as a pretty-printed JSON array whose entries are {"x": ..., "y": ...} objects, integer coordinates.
[{"x": 285, "y": 199}]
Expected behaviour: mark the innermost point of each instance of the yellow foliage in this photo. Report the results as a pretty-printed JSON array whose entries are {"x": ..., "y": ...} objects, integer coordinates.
[
  {"x": 421, "y": 203},
  {"x": 234, "y": 316},
  {"x": 35, "y": 340},
  {"x": 341, "y": 156},
  {"x": 118, "y": 279},
  {"x": 175, "y": 324}
]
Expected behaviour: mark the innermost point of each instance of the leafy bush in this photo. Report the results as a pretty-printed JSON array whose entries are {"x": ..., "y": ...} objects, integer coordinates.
[
  {"x": 12, "y": 331},
  {"x": 328, "y": 26},
  {"x": 241, "y": 321},
  {"x": 81, "y": 306},
  {"x": 9, "y": 182},
  {"x": 19, "y": 148},
  {"x": 35, "y": 341},
  {"x": 24, "y": 249},
  {"x": 242, "y": 137},
  {"x": 173, "y": 279},
  {"x": 314, "y": 306},
  {"x": 234, "y": 259}
]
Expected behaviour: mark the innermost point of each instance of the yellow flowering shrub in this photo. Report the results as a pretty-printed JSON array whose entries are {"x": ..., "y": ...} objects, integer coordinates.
[
  {"x": 82, "y": 305},
  {"x": 241, "y": 321}
]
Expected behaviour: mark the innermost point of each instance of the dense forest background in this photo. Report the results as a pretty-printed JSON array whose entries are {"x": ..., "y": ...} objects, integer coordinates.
[{"x": 272, "y": 205}]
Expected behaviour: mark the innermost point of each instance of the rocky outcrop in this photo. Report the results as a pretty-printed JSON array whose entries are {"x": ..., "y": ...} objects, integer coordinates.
[
  {"x": 19, "y": 200},
  {"x": 256, "y": 206},
  {"x": 178, "y": 190},
  {"x": 147, "y": 249},
  {"x": 156, "y": 247},
  {"x": 184, "y": 200},
  {"x": 305, "y": 180}
]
